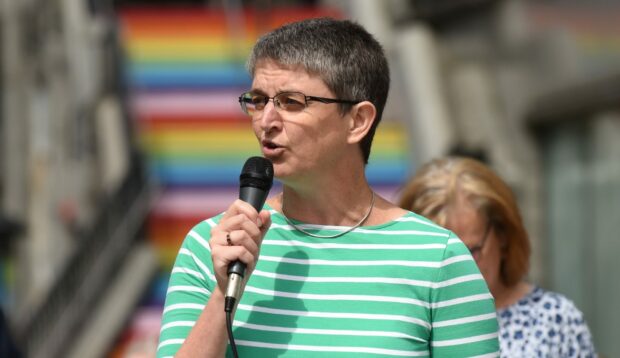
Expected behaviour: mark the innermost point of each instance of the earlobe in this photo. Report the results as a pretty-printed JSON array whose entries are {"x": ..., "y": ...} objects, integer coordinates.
[{"x": 362, "y": 117}]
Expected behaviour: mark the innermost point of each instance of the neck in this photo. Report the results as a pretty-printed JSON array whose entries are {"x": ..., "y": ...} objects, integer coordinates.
[
  {"x": 330, "y": 193},
  {"x": 341, "y": 233},
  {"x": 508, "y": 295},
  {"x": 339, "y": 196},
  {"x": 344, "y": 207}
]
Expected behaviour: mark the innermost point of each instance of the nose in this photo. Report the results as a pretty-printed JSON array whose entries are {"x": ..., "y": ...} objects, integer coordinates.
[{"x": 270, "y": 118}]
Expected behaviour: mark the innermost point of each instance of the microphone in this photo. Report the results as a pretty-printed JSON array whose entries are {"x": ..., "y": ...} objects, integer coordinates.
[{"x": 254, "y": 184}]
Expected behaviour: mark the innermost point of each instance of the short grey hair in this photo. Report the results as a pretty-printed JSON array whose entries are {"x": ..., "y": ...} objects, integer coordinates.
[{"x": 342, "y": 53}]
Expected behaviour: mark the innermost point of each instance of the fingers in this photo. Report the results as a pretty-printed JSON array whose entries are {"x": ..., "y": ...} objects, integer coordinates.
[
  {"x": 240, "y": 222},
  {"x": 238, "y": 236},
  {"x": 244, "y": 239},
  {"x": 241, "y": 244},
  {"x": 224, "y": 255},
  {"x": 241, "y": 207},
  {"x": 264, "y": 218}
]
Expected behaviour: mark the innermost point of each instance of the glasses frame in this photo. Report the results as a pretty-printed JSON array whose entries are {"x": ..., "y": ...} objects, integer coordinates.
[
  {"x": 476, "y": 250},
  {"x": 243, "y": 101}
]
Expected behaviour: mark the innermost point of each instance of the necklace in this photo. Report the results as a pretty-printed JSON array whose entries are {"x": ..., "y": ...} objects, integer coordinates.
[{"x": 372, "y": 204}]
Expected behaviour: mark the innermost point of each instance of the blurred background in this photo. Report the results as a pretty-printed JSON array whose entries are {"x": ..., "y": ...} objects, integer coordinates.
[{"x": 120, "y": 130}]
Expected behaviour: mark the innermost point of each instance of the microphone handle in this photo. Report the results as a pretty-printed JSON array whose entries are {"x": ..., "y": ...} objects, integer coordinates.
[
  {"x": 237, "y": 267},
  {"x": 236, "y": 270},
  {"x": 255, "y": 197}
]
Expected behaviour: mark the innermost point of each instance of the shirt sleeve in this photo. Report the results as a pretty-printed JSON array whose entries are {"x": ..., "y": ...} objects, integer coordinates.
[
  {"x": 575, "y": 329},
  {"x": 463, "y": 318},
  {"x": 190, "y": 286}
]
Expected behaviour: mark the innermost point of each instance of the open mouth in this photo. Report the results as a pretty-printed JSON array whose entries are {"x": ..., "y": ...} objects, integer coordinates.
[
  {"x": 270, "y": 145},
  {"x": 271, "y": 149}
]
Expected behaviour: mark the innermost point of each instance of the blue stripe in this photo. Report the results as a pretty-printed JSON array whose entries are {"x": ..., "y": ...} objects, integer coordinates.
[
  {"x": 194, "y": 173},
  {"x": 188, "y": 76}
]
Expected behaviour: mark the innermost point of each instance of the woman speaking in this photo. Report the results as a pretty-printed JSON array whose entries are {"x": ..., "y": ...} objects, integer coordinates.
[{"x": 332, "y": 268}]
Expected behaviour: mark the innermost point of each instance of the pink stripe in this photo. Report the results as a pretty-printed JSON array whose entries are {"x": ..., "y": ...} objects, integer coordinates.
[
  {"x": 189, "y": 104},
  {"x": 197, "y": 202}
]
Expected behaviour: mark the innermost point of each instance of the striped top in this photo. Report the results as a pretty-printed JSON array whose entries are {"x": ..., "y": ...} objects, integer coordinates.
[{"x": 407, "y": 288}]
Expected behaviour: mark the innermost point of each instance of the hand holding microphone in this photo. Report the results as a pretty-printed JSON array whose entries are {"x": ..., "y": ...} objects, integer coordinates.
[
  {"x": 235, "y": 240},
  {"x": 254, "y": 184}
]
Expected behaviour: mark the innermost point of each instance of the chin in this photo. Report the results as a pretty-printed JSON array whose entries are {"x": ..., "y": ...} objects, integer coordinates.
[
  {"x": 279, "y": 171},
  {"x": 285, "y": 174}
]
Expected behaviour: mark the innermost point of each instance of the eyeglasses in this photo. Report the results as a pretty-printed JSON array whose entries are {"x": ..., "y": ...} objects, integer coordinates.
[
  {"x": 252, "y": 103},
  {"x": 476, "y": 251}
]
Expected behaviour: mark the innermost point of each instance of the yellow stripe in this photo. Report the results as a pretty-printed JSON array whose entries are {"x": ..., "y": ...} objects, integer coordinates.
[
  {"x": 187, "y": 50},
  {"x": 389, "y": 139}
]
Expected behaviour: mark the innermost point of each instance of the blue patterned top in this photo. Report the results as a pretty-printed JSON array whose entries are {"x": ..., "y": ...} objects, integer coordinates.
[{"x": 544, "y": 324}]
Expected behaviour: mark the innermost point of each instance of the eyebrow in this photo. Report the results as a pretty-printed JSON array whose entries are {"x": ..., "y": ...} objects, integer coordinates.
[
  {"x": 257, "y": 91},
  {"x": 263, "y": 93}
]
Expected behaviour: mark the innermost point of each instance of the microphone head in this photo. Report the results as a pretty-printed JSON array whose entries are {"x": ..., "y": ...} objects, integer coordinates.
[{"x": 257, "y": 172}]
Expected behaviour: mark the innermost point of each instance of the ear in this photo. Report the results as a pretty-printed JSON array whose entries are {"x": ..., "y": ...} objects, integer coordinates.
[{"x": 362, "y": 116}]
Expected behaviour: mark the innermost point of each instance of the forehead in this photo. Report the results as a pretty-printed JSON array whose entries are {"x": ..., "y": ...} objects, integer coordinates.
[
  {"x": 273, "y": 77},
  {"x": 463, "y": 217}
]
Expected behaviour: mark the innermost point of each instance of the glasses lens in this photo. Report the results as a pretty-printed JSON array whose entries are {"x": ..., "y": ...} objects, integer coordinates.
[
  {"x": 291, "y": 101},
  {"x": 250, "y": 103}
]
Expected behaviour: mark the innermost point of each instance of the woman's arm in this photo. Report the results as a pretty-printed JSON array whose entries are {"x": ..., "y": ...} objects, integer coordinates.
[
  {"x": 208, "y": 337},
  {"x": 464, "y": 323},
  {"x": 194, "y": 322}
]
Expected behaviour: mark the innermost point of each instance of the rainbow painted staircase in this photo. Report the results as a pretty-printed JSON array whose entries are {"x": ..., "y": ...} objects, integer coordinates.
[{"x": 186, "y": 70}]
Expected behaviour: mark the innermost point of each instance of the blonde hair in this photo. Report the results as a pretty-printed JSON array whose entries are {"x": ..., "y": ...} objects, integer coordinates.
[{"x": 436, "y": 186}]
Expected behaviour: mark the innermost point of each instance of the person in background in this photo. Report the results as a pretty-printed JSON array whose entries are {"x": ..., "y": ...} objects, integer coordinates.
[
  {"x": 467, "y": 197},
  {"x": 334, "y": 269}
]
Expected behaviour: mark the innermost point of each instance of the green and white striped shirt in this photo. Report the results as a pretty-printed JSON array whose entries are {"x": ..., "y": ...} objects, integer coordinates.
[{"x": 407, "y": 288}]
